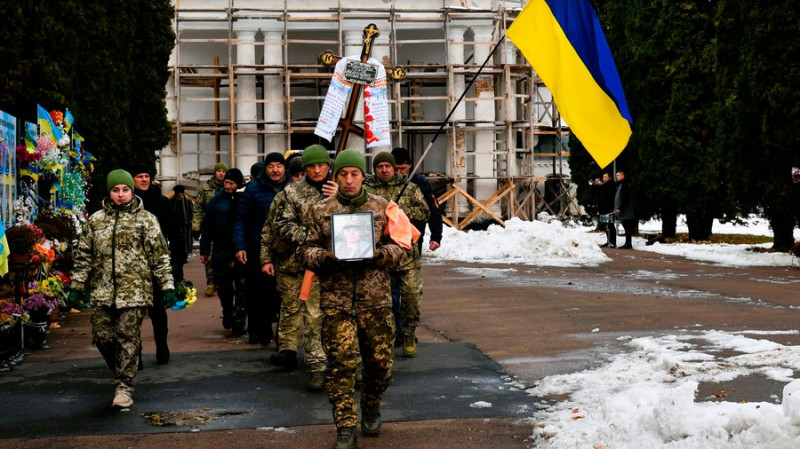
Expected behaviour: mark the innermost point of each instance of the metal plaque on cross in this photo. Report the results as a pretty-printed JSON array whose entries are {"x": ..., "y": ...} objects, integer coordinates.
[{"x": 360, "y": 73}]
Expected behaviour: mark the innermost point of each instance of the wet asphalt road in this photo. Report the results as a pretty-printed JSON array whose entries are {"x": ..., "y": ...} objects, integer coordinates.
[{"x": 487, "y": 332}]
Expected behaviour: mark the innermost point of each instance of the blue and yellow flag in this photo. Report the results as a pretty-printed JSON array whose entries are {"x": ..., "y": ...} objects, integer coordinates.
[
  {"x": 69, "y": 119},
  {"x": 46, "y": 125},
  {"x": 564, "y": 42},
  {"x": 4, "y": 251}
]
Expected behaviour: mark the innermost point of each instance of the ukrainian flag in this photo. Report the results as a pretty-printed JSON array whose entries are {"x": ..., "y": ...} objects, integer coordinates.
[
  {"x": 69, "y": 119},
  {"x": 46, "y": 125},
  {"x": 564, "y": 42},
  {"x": 4, "y": 251}
]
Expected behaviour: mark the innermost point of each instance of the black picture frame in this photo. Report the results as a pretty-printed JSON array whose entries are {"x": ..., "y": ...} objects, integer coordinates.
[{"x": 353, "y": 235}]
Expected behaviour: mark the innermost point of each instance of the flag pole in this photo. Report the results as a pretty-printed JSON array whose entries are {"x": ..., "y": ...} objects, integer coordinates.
[{"x": 447, "y": 119}]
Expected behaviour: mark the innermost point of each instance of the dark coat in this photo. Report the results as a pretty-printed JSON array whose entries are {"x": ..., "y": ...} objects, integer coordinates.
[
  {"x": 435, "y": 220},
  {"x": 608, "y": 190},
  {"x": 624, "y": 202},
  {"x": 252, "y": 213},
  {"x": 182, "y": 215},
  {"x": 158, "y": 205},
  {"x": 216, "y": 231}
]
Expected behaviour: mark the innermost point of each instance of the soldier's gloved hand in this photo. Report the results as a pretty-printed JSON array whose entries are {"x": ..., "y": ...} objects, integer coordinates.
[
  {"x": 74, "y": 299},
  {"x": 328, "y": 261},
  {"x": 196, "y": 235},
  {"x": 380, "y": 259},
  {"x": 169, "y": 299}
]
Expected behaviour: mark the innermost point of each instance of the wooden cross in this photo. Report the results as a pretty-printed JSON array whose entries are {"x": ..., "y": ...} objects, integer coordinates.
[{"x": 327, "y": 58}]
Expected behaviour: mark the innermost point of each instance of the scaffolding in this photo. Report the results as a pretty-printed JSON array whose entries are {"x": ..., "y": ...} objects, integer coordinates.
[{"x": 526, "y": 133}]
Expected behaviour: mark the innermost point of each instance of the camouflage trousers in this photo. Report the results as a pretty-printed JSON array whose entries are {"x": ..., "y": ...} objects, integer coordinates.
[
  {"x": 117, "y": 334},
  {"x": 293, "y": 310},
  {"x": 407, "y": 291},
  {"x": 343, "y": 334}
]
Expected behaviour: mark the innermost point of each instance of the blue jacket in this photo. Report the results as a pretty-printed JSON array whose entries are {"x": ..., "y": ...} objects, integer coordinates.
[
  {"x": 252, "y": 213},
  {"x": 216, "y": 231}
]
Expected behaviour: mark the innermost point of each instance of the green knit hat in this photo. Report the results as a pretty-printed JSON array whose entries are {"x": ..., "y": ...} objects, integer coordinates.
[
  {"x": 350, "y": 158},
  {"x": 117, "y": 177},
  {"x": 220, "y": 166},
  {"x": 315, "y": 154},
  {"x": 383, "y": 156}
]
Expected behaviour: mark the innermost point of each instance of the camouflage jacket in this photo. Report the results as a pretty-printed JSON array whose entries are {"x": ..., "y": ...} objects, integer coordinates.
[
  {"x": 287, "y": 224},
  {"x": 350, "y": 286},
  {"x": 412, "y": 203},
  {"x": 204, "y": 195},
  {"x": 120, "y": 252}
]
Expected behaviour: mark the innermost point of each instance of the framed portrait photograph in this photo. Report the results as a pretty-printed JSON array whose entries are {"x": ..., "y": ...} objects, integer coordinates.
[{"x": 352, "y": 235}]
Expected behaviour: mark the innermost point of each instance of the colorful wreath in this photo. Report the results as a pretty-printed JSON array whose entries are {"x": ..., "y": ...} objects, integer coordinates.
[{"x": 186, "y": 295}]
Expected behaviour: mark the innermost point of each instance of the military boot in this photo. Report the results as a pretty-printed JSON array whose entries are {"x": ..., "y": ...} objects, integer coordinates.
[
  {"x": 346, "y": 438},
  {"x": 370, "y": 420},
  {"x": 285, "y": 359},
  {"x": 210, "y": 291},
  {"x": 317, "y": 381},
  {"x": 409, "y": 345}
]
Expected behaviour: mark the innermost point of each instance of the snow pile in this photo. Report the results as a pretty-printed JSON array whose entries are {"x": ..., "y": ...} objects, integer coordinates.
[
  {"x": 521, "y": 242},
  {"x": 725, "y": 254},
  {"x": 646, "y": 398}
]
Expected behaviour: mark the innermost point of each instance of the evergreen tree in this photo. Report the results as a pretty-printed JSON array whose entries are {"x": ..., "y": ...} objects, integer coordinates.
[
  {"x": 664, "y": 52},
  {"x": 105, "y": 61},
  {"x": 761, "y": 108}
]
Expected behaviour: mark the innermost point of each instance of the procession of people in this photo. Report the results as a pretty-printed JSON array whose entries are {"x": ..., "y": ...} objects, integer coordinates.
[{"x": 261, "y": 241}]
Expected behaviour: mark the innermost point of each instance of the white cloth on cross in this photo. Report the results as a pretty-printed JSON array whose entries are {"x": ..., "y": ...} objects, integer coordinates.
[{"x": 376, "y": 105}]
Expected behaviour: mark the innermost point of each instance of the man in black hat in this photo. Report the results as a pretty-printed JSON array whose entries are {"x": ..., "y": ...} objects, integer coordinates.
[
  {"x": 157, "y": 204},
  {"x": 263, "y": 302}
]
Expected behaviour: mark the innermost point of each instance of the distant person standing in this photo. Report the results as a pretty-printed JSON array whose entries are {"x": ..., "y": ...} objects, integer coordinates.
[
  {"x": 623, "y": 208},
  {"x": 120, "y": 259},
  {"x": 200, "y": 202},
  {"x": 605, "y": 208}
]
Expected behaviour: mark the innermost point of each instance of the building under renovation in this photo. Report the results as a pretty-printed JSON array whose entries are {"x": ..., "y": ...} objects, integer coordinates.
[{"x": 248, "y": 79}]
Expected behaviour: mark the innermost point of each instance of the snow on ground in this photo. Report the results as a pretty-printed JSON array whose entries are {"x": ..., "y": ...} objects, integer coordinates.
[
  {"x": 522, "y": 242},
  {"x": 646, "y": 397},
  {"x": 723, "y": 254},
  {"x": 555, "y": 244}
]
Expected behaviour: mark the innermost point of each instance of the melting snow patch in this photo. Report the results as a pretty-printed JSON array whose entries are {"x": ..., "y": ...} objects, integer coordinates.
[{"x": 481, "y": 404}]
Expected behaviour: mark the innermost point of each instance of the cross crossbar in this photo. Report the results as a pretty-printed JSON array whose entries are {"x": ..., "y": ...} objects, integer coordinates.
[{"x": 327, "y": 58}]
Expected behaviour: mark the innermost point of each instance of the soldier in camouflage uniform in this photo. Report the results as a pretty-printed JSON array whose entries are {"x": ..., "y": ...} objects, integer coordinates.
[
  {"x": 356, "y": 302},
  {"x": 120, "y": 252},
  {"x": 284, "y": 230},
  {"x": 406, "y": 280},
  {"x": 200, "y": 203}
]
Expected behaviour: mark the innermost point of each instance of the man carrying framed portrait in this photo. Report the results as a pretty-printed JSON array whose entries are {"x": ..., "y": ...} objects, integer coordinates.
[{"x": 355, "y": 299}]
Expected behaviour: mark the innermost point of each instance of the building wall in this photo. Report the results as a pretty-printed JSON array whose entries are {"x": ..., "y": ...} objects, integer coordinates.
[{"x": 417, "y": 38}]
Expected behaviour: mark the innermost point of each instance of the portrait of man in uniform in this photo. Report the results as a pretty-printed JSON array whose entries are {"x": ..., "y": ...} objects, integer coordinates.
[{"x": 352, "y": 235}]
